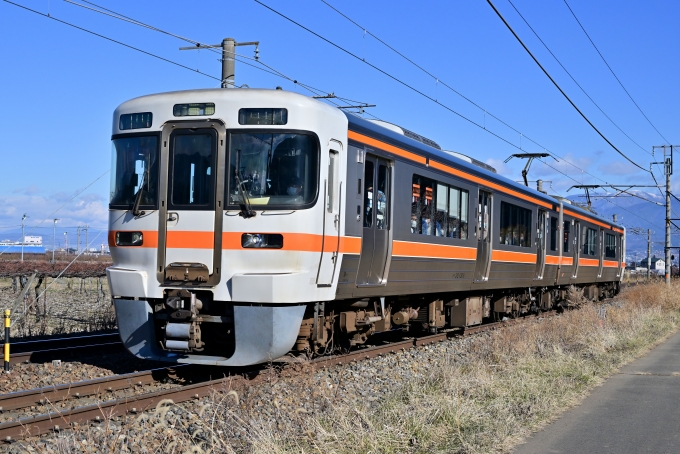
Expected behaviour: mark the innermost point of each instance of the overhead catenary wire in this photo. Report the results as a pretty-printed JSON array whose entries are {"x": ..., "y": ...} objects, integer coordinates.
[
  {"x": 112, "y": 40},
  {"x": 613, "y": 73},
  {"x": 560, "y": 88},
  {"x": 443, "y": 83},
  {"x": 280, "y": 74},
  {"x": 238, "y": 57},
  {"x": 574, "y": 80},
  {"x": 582, "y": 89}
]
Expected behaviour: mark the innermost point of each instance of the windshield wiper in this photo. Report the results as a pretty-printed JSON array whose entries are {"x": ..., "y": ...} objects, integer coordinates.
[
  {"x": 138, "y": 196},
  {"x": 246, "y": 210}
]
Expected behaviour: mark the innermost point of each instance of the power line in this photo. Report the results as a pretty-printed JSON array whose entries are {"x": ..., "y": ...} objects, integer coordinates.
[
  {"x": 572, "y": 78},
  {"x": 269, "y": 69},
  {"x": 439, "y": 81},
  {"x": 426, "y": 96},
  {"x": 583, "y": 90},
  {"x": 560, "y": 89},
  {"x": 612, "y": 71},
  {"x": 112, "y": 40}
]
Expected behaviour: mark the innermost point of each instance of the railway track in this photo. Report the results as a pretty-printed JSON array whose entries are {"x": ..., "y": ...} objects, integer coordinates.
[
  {"x": 64, "y": 419},
  {"x": 65, "y": 347}
]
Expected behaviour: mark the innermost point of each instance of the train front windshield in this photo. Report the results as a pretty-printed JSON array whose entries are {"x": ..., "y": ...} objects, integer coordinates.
[
  {"x": 274, "y": 169},
  {"x": 134, "y": 167}
]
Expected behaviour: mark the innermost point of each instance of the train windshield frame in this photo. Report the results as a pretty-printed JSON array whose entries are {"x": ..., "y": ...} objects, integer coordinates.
[
  {"x": 279, "y": 169},
  {"x": 134, "y": 171}
]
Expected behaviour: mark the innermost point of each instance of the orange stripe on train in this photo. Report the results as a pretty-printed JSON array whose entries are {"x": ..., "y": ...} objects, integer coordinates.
[
  {"x": 440, "y": 251},
  {"x": 509, "y": 256}
]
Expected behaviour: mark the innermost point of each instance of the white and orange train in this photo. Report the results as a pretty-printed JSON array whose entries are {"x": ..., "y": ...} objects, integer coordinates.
[{"x": 245, "y": 224}]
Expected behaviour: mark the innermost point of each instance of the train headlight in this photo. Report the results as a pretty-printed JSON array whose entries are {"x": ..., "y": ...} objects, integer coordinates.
[
  {"x": 129, "y": 239},
  {"x": 262, "y": 240}
]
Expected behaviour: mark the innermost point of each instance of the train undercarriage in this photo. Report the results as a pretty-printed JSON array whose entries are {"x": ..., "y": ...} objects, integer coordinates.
[
  {"x": 327, "y": 327},
  {"x": 190, "y": 322}
]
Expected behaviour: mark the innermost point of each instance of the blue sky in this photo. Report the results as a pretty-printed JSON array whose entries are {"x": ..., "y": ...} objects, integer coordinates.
[{"x": 60, "y": 85}]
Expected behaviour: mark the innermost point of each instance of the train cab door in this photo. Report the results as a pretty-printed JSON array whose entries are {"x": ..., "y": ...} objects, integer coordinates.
[
  {"x": 376, "y": 214},
  {"x": 541, "y": 238},
  {"x": 600, "y": 250},
  {"x": 483, "y": 227},
  {"x": 330, "y": 223},
  {"x": 192, "y": 189},
  {"x": 577, "y": 248}
]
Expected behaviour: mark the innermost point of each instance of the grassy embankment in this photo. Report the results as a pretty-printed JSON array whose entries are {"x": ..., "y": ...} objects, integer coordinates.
[{"x": 506, "y": 384}]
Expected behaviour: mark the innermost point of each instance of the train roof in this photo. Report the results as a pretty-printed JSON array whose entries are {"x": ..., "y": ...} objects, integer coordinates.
[
  {"x": 392, "y": 137},
  {"x": 227, "y": 103}
]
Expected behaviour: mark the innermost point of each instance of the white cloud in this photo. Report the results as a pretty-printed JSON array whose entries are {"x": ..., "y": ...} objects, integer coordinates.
[{"x": 89, "y": 209}]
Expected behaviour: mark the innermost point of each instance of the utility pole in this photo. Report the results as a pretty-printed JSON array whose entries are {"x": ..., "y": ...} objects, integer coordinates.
[
  {"x": 649, "y": 252},
  {"x": 668, "y": 171},
  {"x": 87, "y": 234},
  {"x": 23, "y": 238},
  {"x": 78, "y": 240},
  {"x": 54, "y": 238},
  {"x": 66, "y": 242},
  {"x": 228, "y": 57}
]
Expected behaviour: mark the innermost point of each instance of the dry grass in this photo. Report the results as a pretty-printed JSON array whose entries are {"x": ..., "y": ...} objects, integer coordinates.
[{"x": 504, "y": 385}]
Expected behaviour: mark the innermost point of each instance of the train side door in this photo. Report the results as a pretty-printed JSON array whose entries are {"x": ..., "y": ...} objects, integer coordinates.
[
  {"x": 600, "y": 251},
  {"x": 577, "y": 248},
  {"x": 541, "y": 238},
  {"x": 376, "y": 222},
  {"x": 331, "y": 217},
  {"x": 484, "y": 223},
  {"x": 191, "y": 188}
]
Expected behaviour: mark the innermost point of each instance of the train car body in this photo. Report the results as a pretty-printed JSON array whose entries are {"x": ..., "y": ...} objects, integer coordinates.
[{"x": 245, "y": 223}]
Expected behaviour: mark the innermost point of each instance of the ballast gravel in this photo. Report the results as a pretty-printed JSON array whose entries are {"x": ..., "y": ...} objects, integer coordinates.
[{"x": 240, "y": 412}]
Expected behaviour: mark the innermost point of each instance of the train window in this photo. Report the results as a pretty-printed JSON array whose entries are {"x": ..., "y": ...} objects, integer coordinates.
[
  {"x": 553, "y": 234},
  {"x": 438, "y": 209},
  {"x": 134, "y": 167},
  {"x": 191, "y": 176},
  {"x": 589, "y": 241},
  {"x": 135, "y": 121},
  {"x": 567, "y": 226},
  {"x": 381, "y": 215},
  {"x": 368, "y": 194},
  {"x": 516, "y": 225},
  {"x": 193, "y": 109},
  {"x": 610, "y": 246},
  {"x": 262, "y": 116},
  {"x": 274, "y": 169}
]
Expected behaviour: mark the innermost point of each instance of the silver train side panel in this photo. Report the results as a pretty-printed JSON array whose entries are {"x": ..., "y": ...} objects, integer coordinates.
[{"x": 277, "y": 330}]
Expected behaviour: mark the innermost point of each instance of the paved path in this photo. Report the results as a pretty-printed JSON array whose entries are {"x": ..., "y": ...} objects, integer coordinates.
[{"x": 634, "y": 411}]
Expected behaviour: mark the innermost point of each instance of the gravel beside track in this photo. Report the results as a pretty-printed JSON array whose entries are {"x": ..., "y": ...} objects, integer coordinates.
[{"x": 268, "y": 394}]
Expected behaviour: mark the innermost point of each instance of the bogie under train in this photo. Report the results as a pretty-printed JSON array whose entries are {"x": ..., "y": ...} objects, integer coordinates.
[{"x": 248, "y": 223}]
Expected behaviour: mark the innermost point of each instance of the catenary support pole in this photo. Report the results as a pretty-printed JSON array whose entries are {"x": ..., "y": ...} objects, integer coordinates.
[
  {"x": 669, "y": 171},
  {"x": 228, "y": 65},
  {"x": 649, "y": 251}
]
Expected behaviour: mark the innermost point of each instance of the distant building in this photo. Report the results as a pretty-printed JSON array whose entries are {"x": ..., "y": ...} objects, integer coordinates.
[
  {"x": 657, "y": 265},
  {"x": 30, "y": 245}
]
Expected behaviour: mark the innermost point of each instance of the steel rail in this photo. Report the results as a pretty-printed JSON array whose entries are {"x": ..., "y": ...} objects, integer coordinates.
[
  {"x": 55, "y": 393},
  {"x": 60, "y": 420},
  {"x": 44, "y": 349}
]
